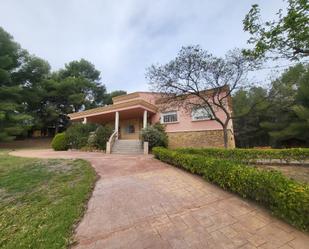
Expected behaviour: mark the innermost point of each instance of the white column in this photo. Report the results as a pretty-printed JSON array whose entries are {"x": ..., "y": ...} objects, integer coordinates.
[
  {"x": 116, "y": 121},
  {"x": 85, "y": 120},
  {"x": 145, "y": 119}
]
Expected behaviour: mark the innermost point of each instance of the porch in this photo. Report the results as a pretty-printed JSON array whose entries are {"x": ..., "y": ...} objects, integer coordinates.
[{"x": 127, "y": 119}]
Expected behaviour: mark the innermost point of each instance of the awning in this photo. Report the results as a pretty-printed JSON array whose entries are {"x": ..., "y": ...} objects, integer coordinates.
[{"x": 134, "y": 104}]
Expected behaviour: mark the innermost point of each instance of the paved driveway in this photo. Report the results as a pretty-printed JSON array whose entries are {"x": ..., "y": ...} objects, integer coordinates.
[{"x": 140, "y": 202}]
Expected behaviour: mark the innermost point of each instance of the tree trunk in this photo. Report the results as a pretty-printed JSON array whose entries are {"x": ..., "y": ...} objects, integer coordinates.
[
  {"x": 56, "y": 128},
  {"x": 225, "y": 137}
]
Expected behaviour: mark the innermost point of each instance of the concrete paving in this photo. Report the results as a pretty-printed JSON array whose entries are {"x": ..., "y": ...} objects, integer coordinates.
[{"x": 140, "y": 202}]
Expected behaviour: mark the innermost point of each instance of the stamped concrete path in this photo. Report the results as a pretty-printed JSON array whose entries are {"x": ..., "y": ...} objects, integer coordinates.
[{"x": 140, "y": 202}]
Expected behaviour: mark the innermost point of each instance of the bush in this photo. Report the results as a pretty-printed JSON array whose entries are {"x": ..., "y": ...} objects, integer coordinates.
[
  {"x": 286, "y": 198},
  {"x": 60, "y": 142},
  {"x": 155, "y": 135},
  {"x": 252, "y": 155},
  {"x": 77, "y": 134},
  {"x": 101, "y": 136}
]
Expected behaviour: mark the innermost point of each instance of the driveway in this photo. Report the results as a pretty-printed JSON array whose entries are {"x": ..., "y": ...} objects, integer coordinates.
[{"x": 140, "y": 202}]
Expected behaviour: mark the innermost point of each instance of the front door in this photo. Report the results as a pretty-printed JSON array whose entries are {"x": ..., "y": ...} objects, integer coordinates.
[{"x": 130, "y": 129}]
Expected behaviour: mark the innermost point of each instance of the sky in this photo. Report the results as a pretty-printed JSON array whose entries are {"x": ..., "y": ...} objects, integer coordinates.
[{"x": 123, "y": 38}]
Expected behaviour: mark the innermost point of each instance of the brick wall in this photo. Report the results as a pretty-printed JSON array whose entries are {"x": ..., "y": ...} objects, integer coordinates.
[{"x": 210, "y": 138}]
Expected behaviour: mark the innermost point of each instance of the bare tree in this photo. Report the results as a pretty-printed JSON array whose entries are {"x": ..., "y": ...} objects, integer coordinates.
[{"x": 197, "y": 79}]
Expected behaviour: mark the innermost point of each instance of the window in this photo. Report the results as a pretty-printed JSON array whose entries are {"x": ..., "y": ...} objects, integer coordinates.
[
  {"x": 202, "y": 113},
  {"x": 169, "y": 117},
  {"x": 130, "y": 129}
]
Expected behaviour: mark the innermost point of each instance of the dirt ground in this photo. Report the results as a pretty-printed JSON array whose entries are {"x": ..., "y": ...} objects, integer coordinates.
[
  {"x": 30, "y": 143},
  {"x": 298, "y": 173}
]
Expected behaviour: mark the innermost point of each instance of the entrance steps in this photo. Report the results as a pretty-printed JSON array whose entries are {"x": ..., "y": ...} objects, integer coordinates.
[{"x": 122, "y": 146}]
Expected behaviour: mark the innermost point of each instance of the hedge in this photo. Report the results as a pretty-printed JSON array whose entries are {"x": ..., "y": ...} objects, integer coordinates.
[
  {"x": 286, "y": 198},
  {"x": 155, "y": 135},
  {"x": 252, "y": 155},
  {"x": 77, "y": 134},
  {"x": 60, "y": 142}
]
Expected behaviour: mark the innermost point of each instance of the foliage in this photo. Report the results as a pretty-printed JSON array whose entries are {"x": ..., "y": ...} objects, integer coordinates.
[
  {"x": 77, "y": 134},
  {"x": 251, "y": 155},
  {"x": 289, "y": 107},
  {"x": 194, "y": 71},
  {"x": 70, "y": 90},
  {"x": 109, "y": 96},
  {"x": 60, "y": 142},
  {"x": 83, "y": 136},
  {"x": 249, "y": 109},
  {"x": 42, "y": 200},
  {"x": 30, "y": 76},
  {"x": 287, "y": 37},
  {"x": 13, "y": 120},
  {"x": 155, "y": 135},
  {"x": 285, "y": 198},
  {"x": 101, "y": 136},
  {"x": 279, "y": 116},
  {"x": 86, "y": 76}
]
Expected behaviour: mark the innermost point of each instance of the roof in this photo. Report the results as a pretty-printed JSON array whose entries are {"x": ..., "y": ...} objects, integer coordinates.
[
  {"x": 130, "y": 96},
  {"x": 115, "y": 107}
]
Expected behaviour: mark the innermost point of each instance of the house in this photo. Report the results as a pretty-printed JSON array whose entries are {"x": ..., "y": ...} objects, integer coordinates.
[{"x": 130, "y": 113}]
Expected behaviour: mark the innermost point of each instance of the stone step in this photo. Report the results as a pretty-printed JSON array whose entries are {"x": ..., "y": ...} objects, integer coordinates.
[
  {"x": 128, "y": 152},
  {"x": 132, "y": 149},
  {"x": 127, "y": 147}
]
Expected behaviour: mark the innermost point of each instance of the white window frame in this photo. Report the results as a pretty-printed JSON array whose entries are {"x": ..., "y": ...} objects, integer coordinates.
[
  {"x": 166, "y": 114},
  {"x": 208, "y": 117}
]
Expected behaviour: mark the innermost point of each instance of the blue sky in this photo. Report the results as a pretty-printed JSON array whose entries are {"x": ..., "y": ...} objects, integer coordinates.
[{"x": 122, "y": 38}]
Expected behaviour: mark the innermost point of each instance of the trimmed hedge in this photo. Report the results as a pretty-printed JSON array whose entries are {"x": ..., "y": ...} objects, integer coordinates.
[
  {"x": 60, "y": 142},
  {"x": 284, "y": 197},
  {"x": 252, "y": 155}
]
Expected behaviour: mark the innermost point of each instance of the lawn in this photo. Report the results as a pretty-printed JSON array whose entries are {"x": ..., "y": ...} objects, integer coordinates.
[{"x": 41, "y": 200}]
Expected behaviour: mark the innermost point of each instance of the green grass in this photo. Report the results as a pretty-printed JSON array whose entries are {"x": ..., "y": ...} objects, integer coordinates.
[{"x": 41, "y": 200}]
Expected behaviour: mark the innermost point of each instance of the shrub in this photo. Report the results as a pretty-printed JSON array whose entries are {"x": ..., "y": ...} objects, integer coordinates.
[
  {"x": 252, "y": 155},
  {"x": 101, "y": 136},
  {"x": 155, "y": 135},
  {"x": 285, "y": 198},
  {"x": 77, "y": 134},
  {"x": 60, "y": 142}
]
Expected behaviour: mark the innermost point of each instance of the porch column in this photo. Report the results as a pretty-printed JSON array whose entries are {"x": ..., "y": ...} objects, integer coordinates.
[
  {"x": 116, "y": 121},
  {"x": 85, "y": 120},
  {"x": 145, "y": 119}
]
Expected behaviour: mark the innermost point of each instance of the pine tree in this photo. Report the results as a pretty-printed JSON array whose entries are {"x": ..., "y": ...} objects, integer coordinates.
[
  {"x": 290, "y": 108},
  {"x": 13, "y": 120}
]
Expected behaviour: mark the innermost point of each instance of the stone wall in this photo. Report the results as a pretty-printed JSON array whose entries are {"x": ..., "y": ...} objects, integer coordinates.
[{"x": 210, "y": 138}]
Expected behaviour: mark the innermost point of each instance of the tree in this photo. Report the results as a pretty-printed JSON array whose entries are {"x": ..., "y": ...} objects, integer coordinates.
[
  {"x": 74, "y": 88},
  {"x": 13, "y": 120},
  {"x": 290, "y": 109},
  {"x": 83, "y": 69},
  {"x": 109, "y": 96},
  {"x": 250, "y": 107},
  {"x": 30, "y": 76},
  {"x": 286, "y": 37},
  {"x": 192, "y": 73}
]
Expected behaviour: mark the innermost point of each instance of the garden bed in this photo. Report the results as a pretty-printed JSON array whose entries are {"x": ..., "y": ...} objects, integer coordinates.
[{"x": 295, "y": 172}]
